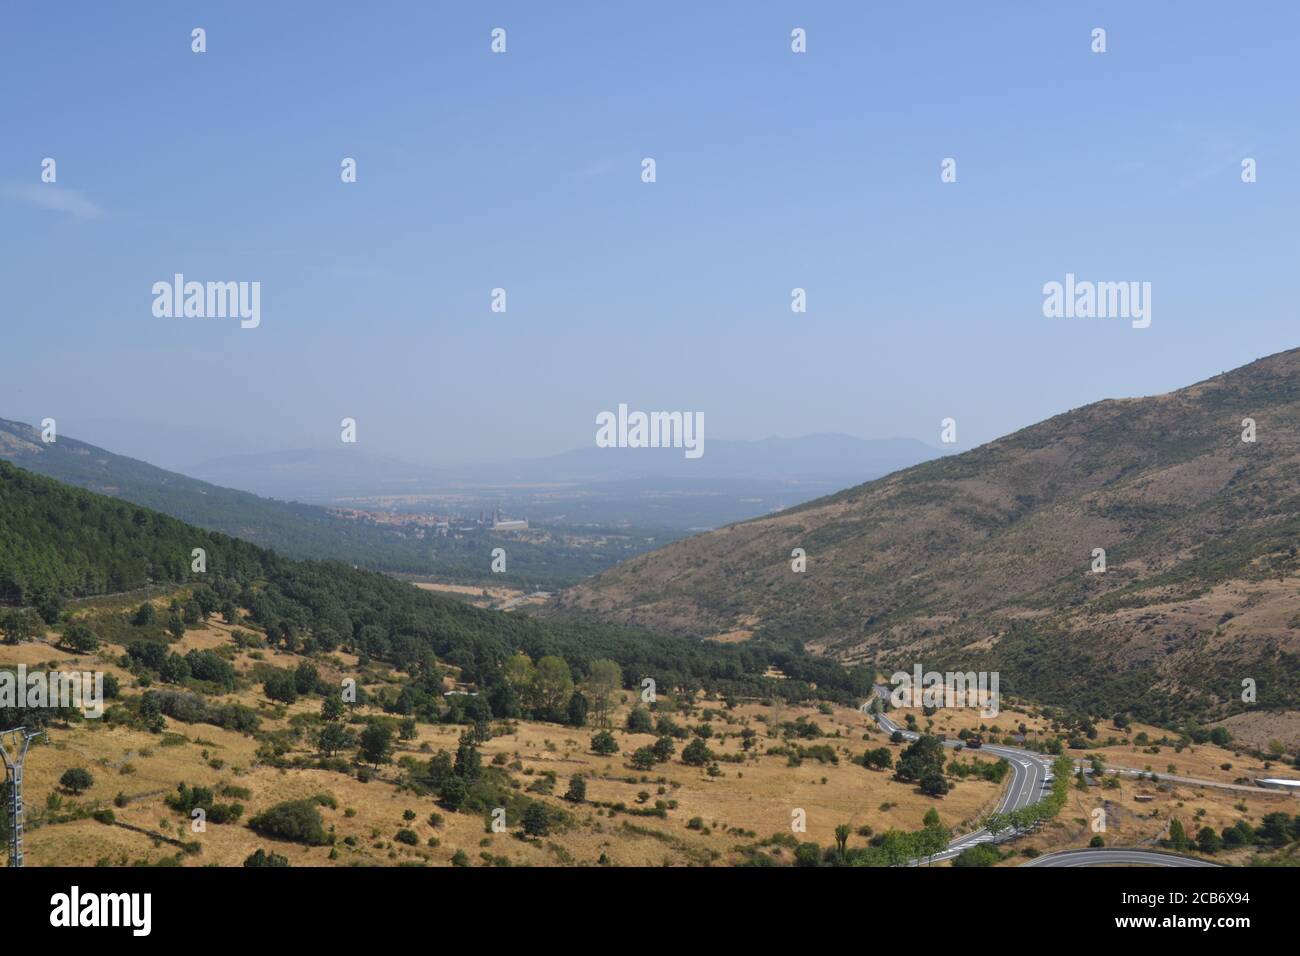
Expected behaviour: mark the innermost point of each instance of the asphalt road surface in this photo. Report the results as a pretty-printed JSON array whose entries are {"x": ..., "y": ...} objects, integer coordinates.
[
  {"x": 1117, "y": 856},
  {"x": 1030, "y": 780}
]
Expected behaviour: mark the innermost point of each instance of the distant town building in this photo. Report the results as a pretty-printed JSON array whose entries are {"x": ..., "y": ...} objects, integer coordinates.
[{"x": 501, "y": 523}]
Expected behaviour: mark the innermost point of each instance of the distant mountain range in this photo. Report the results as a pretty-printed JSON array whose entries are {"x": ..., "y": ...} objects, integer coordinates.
[
  {"x": 294, "y": 529},
  {"x": 301, "y": 530},
  {"x": 603, "y": 490},
  {"x": 986, "y": 560},
  {"x": 347, "y": 473}
]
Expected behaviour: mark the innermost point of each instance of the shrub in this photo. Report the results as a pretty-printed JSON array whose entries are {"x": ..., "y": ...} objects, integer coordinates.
[
  {"x": 696, "y": 753},
  {"x": 262, "y": 858},
  {"x": 982, "y": 854},
  {"x": 537, "y": 819},
  {"x": 934, "y": 785},
  {"x": 80, "y": 639},
  {"x": 281, "y": 686},
  {"x": 639, "y": 721},
  {"x": 296, "y": 820},
  {"x": 76, "y": 780},
  {"x": 577, "y": 789}
]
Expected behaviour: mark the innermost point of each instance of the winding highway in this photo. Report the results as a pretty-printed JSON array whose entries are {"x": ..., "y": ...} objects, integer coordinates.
[{"x": 1031, "y": 776}]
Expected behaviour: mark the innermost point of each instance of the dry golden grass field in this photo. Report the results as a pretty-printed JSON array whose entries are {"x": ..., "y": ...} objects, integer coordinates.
[
  {"x": 711, "y": 816},
  {"x": 134, "y": 769}
]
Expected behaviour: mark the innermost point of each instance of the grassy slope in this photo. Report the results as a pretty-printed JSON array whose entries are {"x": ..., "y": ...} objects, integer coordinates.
[{"x": 983, "y": 559}]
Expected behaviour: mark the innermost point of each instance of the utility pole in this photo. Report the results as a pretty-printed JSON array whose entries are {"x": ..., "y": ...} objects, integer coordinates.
[{"x": 14, "y": 776}]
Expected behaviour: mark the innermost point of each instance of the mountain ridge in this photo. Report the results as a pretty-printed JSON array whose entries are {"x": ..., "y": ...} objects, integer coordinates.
[
  {"x": 985, "y": 558},
  {"x": 317, "y": 474}
]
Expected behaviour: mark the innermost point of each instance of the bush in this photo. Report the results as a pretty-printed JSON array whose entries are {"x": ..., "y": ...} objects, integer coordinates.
[
  {"x": 577, "y": 789},
  {"x": 808, "y": 854},
  {"x": 934, "y": 785},
  {"x": 639, "y": 721},
  {"x": 262, "y": 858},
  {"x": 209, "y": 666},
  {"x": 409, "y": 837},
  {"x": 696, "y": 753},
  {"x": 537, "y": 819},
  {"x": 296, "y": 820},
  {"x": 454, "y": 792},
  {"x": 281, "y": 686},
  {"x": 76, "y": 780},
  {"x": 186, "y": 799},
  {"x": 982, "y": 854},
  {"x": 80, "y": 639},
  {"x": 1208, "y": 841}
]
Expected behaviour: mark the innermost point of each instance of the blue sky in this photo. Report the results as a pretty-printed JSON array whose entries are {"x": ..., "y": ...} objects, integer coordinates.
[{"x": 522, "y": 171}]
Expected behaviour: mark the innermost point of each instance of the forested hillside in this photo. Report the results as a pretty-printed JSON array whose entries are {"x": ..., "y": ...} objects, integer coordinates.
[
  {"x": 300, "y": 530},
  {"x": 58, "y": 542},
  {"x": 989, "y": 560}
]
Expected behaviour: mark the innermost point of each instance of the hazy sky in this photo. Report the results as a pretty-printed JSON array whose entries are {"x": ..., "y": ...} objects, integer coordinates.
[{"x": 523, "y": 171}]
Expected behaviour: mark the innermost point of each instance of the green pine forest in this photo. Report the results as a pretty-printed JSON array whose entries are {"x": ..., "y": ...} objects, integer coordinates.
[{"x": 59, "y": 542}]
